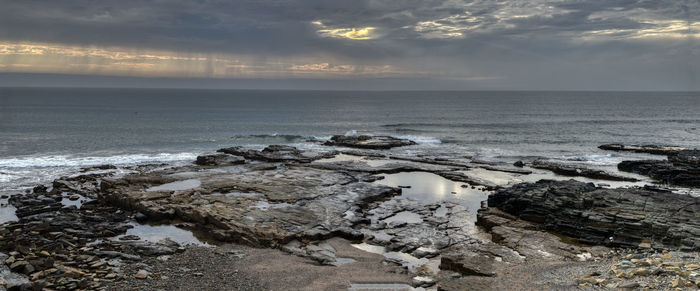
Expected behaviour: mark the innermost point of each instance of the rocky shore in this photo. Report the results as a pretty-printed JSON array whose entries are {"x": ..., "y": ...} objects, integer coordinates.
[
  {"x": 285, "y": 218},
  {"x": 681, "y": 167}
]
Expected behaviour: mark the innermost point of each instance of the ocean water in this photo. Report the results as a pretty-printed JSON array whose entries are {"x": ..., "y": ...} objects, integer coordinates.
[{"x": 49, "y": 132}]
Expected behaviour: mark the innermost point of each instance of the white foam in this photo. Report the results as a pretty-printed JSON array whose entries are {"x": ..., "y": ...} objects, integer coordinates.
[
  {"x": 421, "y": 139},
  {"x": 78, "y": 161},
  {"x": 594, "y": 159}
]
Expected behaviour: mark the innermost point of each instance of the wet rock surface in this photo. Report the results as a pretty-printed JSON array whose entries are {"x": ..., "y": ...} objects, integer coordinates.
[
  {"x": 647, "y": 149},
  {"x": 578, "y": 171},
  {"x": 681, "y": 168},
  {"x": 219, "y": 160},
  {"x": 277, "y": 153},
  {"x": 328, "y": 215},
  {"x": 634, "y": 217},
  {"x": 368, "y": 142}
]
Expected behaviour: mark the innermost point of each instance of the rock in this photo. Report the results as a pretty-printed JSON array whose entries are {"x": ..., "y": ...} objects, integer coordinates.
[
  {"x": 39, "y": 189},
  {"x": 578, "y": 171},
  {"x": 219, "y": 160},
  {"x": 648, "y": 149},
  {"x": 368, "y": 142},
  {"x": 681, "y": 168},
  {"x": 467, "y": 263},
  {"x": 130, "y": 237},
  {"x": 114, "y": 254},
  {"x": 519, "y": 164},
  {"x": 632, "y": 285},
  {"x": 10, "y": 280},
  {"x": 622, "y": 217},
  {"x": 21, "y": 267},
  {"x": 140, "y": 217},
  {"x": 278, "y": 153},
  {"x": 141, "y": 274},
  {"x": 422, "y": 281}
]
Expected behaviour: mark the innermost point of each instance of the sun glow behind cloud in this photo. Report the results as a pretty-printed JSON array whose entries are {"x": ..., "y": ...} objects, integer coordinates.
[
  {"x": 355, "y": 33},
  {"x": 56, "y": 58}
]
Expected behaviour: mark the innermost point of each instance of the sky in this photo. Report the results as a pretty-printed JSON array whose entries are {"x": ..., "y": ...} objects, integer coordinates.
[{"x": 355, "y": 44}]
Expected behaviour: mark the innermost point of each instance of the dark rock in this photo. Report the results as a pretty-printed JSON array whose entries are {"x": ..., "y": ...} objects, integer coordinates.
[
  {"x": 100, "y": 167},
  {"x": 140, "y": 217},
  {"x": 578, "y": 171},
  {"x": 648, "y": 149},
  {"x": 277, "y": 153},
  {"x": 467, "y": 263},
  {"x": 368, "y": 142},
  {"x": 617, "y": 217},
  {"x": 681, "y": 168},
  {"x": 219, "y": 160},
  {"x": 519, "y": 164},
  {"x": 39, "y": 189}
]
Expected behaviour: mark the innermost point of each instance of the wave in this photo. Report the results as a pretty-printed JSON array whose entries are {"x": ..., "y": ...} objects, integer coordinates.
[
  {"x": 85, "y": 161},
  {"x": 274, "y": 136},
  {"x": 593, "y": 159},
  {"x": 421, "y": 139}
]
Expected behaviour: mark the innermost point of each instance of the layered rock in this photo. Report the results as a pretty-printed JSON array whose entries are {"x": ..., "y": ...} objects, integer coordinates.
[
  {"x": 681, "y": 168},
  {"x": 617, "y": 217},
  {"x": 219, "y": 160},
  {"x": 648, "y": 149},
  {"x": 277, "y": 153},
  {"x": 378, "y": 142},
  {"x": 578, "y": 171}
]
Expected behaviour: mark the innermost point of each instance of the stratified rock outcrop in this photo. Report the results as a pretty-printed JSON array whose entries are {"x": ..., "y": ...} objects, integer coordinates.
[
  {"x": 632, "y": 217},
  {"x": 647, "y": 149},
  {"x": 578, "y": 171},
  {"x": 277, "y": 153},
  {"x": 379, "y": 142},
  {"x": 219, "y": 160},
  {"x": 681, "y": 168}
]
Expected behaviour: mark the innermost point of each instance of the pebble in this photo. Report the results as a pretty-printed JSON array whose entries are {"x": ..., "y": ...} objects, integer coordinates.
[{"x": 141, "y": 274}]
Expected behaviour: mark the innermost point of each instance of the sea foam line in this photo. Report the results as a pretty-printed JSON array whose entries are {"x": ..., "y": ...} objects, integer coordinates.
[{"x": 78, "y": 161}]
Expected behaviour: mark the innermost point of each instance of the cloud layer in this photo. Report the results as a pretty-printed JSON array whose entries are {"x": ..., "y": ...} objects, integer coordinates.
[{"x": 539, "y": 44}]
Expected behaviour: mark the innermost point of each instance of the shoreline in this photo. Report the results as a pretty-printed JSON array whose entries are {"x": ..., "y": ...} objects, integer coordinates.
[{"x": 317, "y": 208}]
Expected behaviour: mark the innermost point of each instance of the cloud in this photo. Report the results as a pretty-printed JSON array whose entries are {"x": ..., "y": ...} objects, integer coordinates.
[
  {"x": 510, "y": 40},
  {"x": 355, "y": 33}
]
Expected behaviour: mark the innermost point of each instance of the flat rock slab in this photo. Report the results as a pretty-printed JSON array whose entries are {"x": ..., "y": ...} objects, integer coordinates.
[
  {"x": 260, "y": 207},
  {"x": 379, "y": 142}
]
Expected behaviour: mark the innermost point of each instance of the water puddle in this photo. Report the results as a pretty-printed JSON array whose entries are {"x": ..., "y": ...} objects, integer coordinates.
[
  {"x": 7, "y": 212},
  {"x": 155, "y": 233},
  {"x": 176, "y": 186},
  {"x": 431, "y": 188},
  {"x": 264, "y": 205},
  {"x": 410, "y": 262},
  {"x": 404, "y": 216},
  {"x": 76, "y": 200}
]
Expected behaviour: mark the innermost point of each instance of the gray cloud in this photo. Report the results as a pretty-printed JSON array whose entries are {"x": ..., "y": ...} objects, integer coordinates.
[{"x": 522, "y": 44}]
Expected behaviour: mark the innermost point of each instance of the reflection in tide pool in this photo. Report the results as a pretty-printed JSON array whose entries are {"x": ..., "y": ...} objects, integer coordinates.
[
  {"x": 155, "y": 233},
  {"x": 432, "y": 188},
  {"x": 7, "y": 213}
]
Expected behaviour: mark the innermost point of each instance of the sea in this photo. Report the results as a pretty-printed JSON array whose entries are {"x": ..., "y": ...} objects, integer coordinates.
[{"x": 46, "y": 133}]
